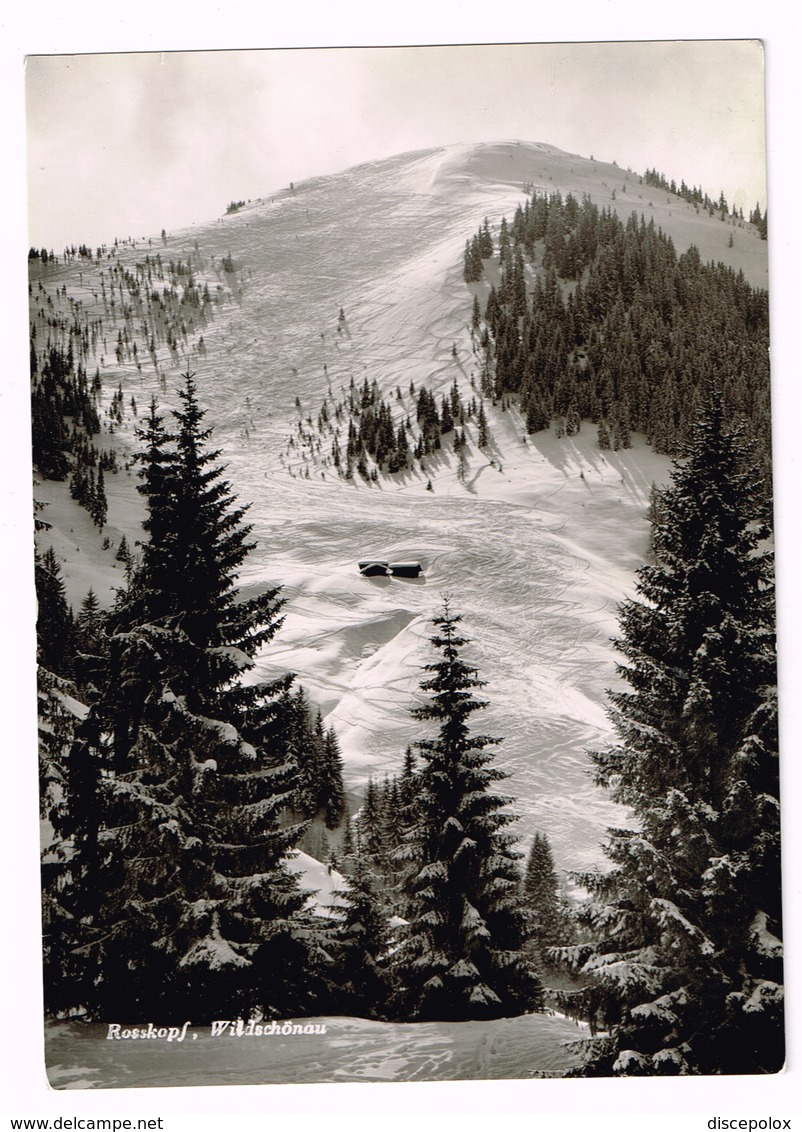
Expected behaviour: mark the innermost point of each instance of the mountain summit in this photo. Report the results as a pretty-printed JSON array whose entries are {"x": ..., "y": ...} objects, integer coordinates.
[{"x": 285, "y": 305}]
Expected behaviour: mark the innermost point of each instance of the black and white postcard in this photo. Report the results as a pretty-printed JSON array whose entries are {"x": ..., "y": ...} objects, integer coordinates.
[{"x": 403, "y": 492}]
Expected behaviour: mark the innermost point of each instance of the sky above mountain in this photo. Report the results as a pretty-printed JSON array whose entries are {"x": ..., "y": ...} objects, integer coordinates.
[{"x": 136, "y": 142}]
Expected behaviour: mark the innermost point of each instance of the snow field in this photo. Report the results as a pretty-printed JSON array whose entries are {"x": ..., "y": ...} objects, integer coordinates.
[
  {"x": 536, "y": 548},
  {"x": 351, "y": 1049}
]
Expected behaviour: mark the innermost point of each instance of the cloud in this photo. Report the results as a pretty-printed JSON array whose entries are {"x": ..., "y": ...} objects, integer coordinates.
[{"x": 146, "y": 140}]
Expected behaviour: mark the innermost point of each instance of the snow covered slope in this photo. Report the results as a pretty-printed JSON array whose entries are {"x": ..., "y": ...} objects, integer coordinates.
[
  {"x": 80, "y": 1056},
  {"x": 536, "y": 545}
]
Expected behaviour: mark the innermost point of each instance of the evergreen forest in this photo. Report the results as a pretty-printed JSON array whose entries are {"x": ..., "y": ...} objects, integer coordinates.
[{"x": 578, "y": 319}]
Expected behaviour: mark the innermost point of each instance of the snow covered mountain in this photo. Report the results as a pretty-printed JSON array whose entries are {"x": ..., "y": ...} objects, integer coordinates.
[{"x": 359, "y": 276}]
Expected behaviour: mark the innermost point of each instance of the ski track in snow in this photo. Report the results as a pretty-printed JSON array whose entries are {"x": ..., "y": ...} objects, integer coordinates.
[{"x": 536, "y": 548}]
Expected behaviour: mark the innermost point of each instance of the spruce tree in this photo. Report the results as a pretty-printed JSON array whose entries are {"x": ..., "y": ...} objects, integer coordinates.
[
  {"x": 91, "y": 646},
  {"x": 540, "y": 891},
  {"x": 177, "y": 898},
  {"x": 483, "y": 437},
  {"x": 99, "y": 506},
  {"x": 686, "y": 955},
  {"x": 315, "y": 750},
  {"x": 123, "y": 552},
  {"x": 461, "y": 956},
  {"x": 391, "y": 817},
  {"x": 408, "y": 790},
  {"x": 58, "y": 712},
  {"x": 198, "y": 543},
  {"x": 347, "y": 845},
  {"x": 363, "y": 943},
  {"x": 54, "y": 622},
  {"x": 305, "y": 741},
  {"x": 370, "y": 830},
  {"x": 332, "y": 790}
]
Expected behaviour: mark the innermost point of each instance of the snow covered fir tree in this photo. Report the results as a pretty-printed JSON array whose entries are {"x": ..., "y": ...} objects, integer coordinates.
[
  {"x": 171, "y": 893},
  {"x": 540, "y": 890},
  {"x": 364, "y": 943},
  {"x": 462, "y": 956},
  {"x": 685, "y": 955}
]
